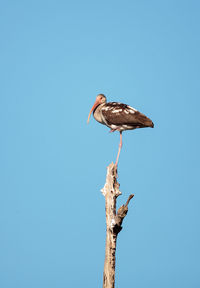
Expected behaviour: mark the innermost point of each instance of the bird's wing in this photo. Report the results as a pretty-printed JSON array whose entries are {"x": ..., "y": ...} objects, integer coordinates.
[{"x": 120, "y": 114}]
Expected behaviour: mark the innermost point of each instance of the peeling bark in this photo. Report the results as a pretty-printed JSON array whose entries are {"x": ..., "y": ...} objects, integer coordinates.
[{"x": 113, "y": 223}]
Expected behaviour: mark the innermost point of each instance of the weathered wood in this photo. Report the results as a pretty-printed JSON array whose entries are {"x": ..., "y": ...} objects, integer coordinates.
[{"x": 113, "y": 223}]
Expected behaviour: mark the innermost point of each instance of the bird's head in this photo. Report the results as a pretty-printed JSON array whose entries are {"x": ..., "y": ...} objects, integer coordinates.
[{"x": 100, "y": 99}]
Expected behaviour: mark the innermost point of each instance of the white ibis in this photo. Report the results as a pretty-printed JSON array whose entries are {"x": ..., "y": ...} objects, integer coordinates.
[{"x": 118, "y": 117}]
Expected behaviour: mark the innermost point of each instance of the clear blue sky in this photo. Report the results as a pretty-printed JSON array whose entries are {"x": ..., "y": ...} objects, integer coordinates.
[{"x": 55, "y": 57}]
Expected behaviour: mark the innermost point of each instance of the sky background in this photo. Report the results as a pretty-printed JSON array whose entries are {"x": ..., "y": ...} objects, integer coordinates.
[{"x": 55, "y": 57}]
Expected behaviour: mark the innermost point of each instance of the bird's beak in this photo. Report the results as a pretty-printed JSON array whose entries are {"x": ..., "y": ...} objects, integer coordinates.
[{"x": 97, "y": 102}]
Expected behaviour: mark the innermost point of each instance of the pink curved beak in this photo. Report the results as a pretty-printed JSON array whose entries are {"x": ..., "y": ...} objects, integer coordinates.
[{"x": 97, "y": 102}]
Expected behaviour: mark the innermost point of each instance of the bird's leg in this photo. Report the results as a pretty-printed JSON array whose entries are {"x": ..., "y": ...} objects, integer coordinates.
[
  {"x": 112, "y": 130},
  {"x": 120, "y": 146}
]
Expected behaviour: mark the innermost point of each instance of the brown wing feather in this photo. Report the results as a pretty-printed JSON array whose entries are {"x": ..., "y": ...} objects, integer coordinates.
[{"x": 119, "y": 114}]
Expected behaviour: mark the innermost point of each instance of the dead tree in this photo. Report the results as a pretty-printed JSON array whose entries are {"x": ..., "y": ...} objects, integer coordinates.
[{"x": 113, "y": 223}]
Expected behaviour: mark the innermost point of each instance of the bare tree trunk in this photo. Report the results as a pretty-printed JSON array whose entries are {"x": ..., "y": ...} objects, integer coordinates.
[{"x": 113, "y": 223}]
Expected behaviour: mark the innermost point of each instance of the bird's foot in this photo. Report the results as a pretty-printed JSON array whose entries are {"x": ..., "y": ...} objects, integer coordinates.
[{"x": 112, "y": 130}]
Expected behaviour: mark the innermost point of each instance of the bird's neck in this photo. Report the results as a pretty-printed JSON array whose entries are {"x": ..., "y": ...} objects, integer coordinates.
[{"x": 97, "y": 113}]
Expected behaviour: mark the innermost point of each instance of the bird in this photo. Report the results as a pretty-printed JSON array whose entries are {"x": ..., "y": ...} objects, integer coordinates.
[{"x": 118, "y": 117}]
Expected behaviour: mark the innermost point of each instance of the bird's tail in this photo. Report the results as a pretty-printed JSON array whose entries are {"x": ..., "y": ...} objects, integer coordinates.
[{"x": 148, "y": 123}]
